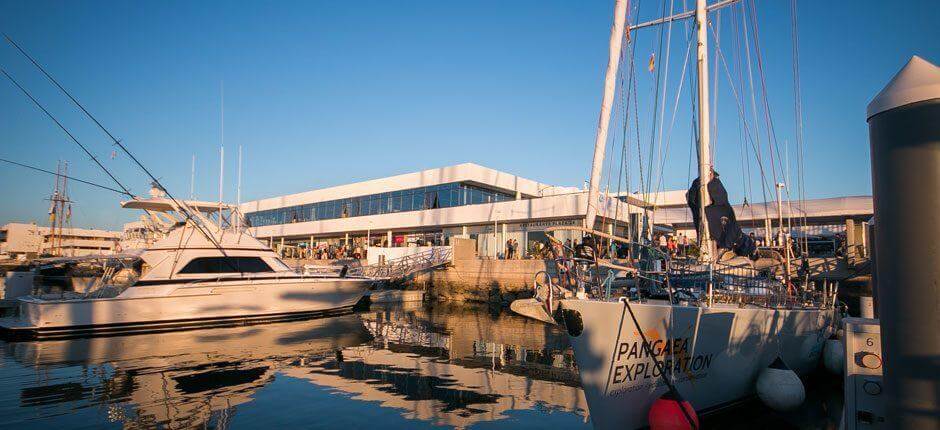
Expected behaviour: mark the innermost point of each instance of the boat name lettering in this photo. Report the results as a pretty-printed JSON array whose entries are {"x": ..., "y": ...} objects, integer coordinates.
[
  {"x": 647, "y": 369},
  {"x": 659, "y": 348}
]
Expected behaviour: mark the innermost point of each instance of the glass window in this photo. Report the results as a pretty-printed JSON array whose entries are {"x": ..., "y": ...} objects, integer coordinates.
[
  {"x": 437, "y": 196},
  {"x": 226, "y": 265}
]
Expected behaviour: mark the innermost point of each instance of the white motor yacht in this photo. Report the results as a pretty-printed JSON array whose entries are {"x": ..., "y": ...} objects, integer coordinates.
[{"x": 204, "y": 272}]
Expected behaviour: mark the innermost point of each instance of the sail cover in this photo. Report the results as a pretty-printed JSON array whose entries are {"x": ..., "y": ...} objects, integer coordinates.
[{"x": 722, "y": 224}]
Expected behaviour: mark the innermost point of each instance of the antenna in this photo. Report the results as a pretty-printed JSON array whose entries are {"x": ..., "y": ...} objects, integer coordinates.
[
  {"x": 238, "y": 188},
  {"x": 192, "y": 180}
]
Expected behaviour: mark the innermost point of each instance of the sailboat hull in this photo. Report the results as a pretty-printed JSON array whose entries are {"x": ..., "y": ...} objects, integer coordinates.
[
  {"x": 178, "y": 306},
  {"x": 715, "y": 353}
]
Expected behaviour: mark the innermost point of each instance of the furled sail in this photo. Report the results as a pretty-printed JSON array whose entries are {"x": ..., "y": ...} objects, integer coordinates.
[{"x": 722, "y": 224}]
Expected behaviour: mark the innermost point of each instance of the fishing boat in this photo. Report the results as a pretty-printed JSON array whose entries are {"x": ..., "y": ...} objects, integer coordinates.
[
  {"x": 699, "y": 329},
  {"x": 202, "y": 268},
  {"x": 205, "y": 272}
]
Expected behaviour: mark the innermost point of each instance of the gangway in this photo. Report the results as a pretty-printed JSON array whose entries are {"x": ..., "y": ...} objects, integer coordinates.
[
  {"x": 403, "y": 267},
  {"x": 395, "y": 269}
]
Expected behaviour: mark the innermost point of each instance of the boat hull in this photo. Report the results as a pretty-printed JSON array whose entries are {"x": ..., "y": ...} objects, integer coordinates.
[
  {"x": 715, "y": 353},
  {"x": 180, "y": 306}
]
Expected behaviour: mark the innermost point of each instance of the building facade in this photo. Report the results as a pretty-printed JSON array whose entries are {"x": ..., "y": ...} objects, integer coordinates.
[
  {"x": 492, "y": 207},
  {"x": 27, "y": 240},
  {"x": 423, "y": 208}
]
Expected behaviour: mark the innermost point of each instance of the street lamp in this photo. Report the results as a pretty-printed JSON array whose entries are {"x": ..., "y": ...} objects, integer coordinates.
[{"x": 496, "y": 237}]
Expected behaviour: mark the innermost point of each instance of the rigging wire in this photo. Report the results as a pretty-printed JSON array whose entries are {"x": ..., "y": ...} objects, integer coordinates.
[
  {"x": 750, "y": 79},
  {"x": 187, "y": 212},
  {"x": 798, "y": 115},
  {"x": 38, "y": 169},
  {"x": 743, "y": 115},
  {"x": 672, "y": 121},
  {"x": 662, "y": 108},
  {"x": 659, "y": 72},
  {"x": 64, "y": 129}
]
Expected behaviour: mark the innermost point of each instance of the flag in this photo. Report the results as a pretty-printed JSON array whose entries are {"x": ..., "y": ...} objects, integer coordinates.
[{"x": 652, "y": 64}]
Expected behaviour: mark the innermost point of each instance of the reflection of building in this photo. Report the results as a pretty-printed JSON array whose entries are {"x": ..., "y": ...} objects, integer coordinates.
[
  {"x": 434, "y": 367},
  {"x": 20, "y": 239},
  {"x": 183, "y": 379},
  {"x": 425, "y": 365}
]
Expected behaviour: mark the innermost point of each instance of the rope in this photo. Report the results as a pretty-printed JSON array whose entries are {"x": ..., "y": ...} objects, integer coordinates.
[{"x": 659, "y": 365}]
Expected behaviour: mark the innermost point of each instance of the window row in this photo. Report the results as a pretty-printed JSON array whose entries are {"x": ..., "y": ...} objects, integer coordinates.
[{"x": 433, "y": 197}]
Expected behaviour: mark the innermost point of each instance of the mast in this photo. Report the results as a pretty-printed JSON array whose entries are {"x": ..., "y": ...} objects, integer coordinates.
[
  {"x": 704, "y": 144},
  {"x": 221, "y": 151},
  {"x": 603, "y": 121}
]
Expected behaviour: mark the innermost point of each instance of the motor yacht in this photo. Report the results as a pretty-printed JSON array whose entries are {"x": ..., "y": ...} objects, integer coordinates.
[{"x": 206, "y": 271}]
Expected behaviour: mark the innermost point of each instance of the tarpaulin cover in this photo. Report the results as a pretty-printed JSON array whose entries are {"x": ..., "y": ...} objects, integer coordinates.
[{"x": 722, "y": 224}]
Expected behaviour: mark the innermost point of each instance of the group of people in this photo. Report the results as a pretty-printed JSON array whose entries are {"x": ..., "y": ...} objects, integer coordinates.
[
  {"x": 674, "y": 245},
  {"x": 511, "y": 251},
  {"x": 333, "y": 252}
]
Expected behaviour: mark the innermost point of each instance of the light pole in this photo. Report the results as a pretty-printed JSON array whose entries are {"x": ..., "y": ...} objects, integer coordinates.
[
  {"x": 369, "y": 235},
  {"x": 496, "y": 238}
]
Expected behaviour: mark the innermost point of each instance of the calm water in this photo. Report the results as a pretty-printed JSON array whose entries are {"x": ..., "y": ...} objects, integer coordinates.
[{"x": 396, "y": 367}]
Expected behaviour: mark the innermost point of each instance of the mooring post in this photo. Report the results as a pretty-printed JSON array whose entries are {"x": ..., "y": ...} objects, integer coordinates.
[{"x": 904, "y": 129}]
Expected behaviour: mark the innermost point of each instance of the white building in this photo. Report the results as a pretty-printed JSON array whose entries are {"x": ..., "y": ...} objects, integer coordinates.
[
  {"x": 466, "y": 200},
  {"x": 427, "y": 207},
  {"x": 21, "y": 239}
]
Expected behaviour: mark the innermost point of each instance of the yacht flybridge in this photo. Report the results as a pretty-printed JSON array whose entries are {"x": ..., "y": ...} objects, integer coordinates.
[{"x": 206, "y": 271}]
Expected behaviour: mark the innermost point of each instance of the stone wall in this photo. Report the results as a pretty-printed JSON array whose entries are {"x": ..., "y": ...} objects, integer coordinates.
[{"x": 482, "y": 280}]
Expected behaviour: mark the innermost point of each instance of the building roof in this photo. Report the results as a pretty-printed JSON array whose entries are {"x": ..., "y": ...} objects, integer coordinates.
[
  {"x": 466, "y": 172},
  {"x": 69, "y": 231},
  {"x": 812, "y": 208}
]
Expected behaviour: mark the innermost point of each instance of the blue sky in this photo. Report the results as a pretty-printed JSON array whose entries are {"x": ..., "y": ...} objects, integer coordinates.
[{"x": 325, "y": 93}]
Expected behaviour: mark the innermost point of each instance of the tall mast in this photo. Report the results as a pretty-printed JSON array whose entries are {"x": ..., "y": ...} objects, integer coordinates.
[
  {"x": 704, "y": 145},
  {"x": 221, "y": 151},
  {"x": 610, "y": 83}
]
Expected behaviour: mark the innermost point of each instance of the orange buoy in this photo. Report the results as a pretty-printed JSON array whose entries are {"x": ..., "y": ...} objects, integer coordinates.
[{"x": 666, "y": 413}]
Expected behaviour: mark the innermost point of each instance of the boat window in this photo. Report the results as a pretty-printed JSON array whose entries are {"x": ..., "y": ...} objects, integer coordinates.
[{"x": 226, "y": 265}]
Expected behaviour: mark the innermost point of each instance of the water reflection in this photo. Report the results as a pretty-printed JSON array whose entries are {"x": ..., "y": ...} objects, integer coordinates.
[{"x": 441, "y": 366}]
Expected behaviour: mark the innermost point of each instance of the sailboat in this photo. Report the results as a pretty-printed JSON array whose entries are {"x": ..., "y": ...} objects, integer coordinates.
[{"x": 702, "y": 329}]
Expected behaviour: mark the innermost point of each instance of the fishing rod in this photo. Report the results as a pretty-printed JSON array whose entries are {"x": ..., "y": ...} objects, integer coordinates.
[
  {"x": 67, "y": 132},
  {"x": 104, "y": 187},
  {"x": 185, "y": 209}
]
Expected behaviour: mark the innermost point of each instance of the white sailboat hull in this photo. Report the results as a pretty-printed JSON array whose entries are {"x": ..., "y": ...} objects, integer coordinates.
[
  {"x": 716, "y": 353},
  {"x": 180, "y": 305}
]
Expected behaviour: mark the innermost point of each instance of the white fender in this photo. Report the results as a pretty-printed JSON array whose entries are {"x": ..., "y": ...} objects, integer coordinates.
[{"x": 779, "y": 387}]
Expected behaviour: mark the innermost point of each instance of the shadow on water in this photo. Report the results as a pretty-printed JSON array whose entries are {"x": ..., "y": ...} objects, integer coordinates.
[{"x": 407, "y": 366}]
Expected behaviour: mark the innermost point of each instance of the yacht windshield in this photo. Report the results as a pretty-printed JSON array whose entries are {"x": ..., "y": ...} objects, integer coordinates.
[{"x": 226, "y": 265}]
